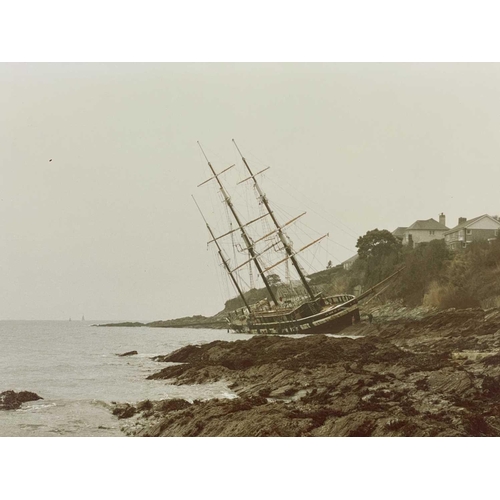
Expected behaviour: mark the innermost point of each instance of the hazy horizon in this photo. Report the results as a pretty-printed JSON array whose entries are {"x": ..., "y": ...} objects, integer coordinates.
[{"x": 99, "y": 162}]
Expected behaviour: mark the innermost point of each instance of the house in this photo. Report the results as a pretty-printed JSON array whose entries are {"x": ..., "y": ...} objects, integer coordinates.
[
  {"x": 425, "y": 230},
  {"x": 347, "y": 264},
  {"x": 483, "y": 227},
  {"x": 399, "y": 233}
]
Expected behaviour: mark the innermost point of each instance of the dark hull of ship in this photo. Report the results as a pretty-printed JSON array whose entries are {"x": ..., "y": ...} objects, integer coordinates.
[{"x": 330, "y": 320}]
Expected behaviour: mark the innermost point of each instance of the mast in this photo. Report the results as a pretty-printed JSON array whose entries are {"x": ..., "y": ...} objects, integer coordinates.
[
  {"x": 224, "y": 261},
  {"x": 244, "y": 235},
  {"x": 282, "y": 236}
]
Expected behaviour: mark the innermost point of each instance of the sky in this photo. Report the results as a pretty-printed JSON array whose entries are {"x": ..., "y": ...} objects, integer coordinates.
[
  {"x": 108, "y": 228},
  {"x": 98, "y": 162}
]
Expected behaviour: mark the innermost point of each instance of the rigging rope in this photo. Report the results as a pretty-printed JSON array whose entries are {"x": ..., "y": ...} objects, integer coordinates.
[{"x": 351, "y": 230}]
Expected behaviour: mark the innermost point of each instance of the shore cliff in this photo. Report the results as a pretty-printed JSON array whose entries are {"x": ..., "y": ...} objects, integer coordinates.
[{"x": 410, "y": 373}]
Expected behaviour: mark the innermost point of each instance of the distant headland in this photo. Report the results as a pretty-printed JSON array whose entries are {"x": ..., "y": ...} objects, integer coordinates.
[{"x": 197, "y": 321}]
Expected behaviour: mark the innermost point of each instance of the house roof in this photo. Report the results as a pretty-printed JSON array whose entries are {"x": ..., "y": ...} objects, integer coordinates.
[
  {"x": 350, "y": 260},
  {"x": 429, "y": 224},
  {"x": 399, "y": 231},
  {"x": 469, "y": 222}
]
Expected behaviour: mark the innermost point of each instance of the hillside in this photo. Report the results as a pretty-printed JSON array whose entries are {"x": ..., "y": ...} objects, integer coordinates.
[{"x": 433, "y": 277}]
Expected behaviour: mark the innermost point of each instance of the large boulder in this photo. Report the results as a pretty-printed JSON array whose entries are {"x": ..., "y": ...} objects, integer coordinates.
[{"x": 10, "y": 400}]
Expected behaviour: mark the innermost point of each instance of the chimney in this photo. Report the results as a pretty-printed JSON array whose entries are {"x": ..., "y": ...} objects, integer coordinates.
[
  {"x": 461, "y": 220},
  {"x": 442, "y": 219}
]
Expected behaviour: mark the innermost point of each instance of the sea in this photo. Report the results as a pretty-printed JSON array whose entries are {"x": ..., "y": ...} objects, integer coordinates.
[{"x": 74, "y": 366}]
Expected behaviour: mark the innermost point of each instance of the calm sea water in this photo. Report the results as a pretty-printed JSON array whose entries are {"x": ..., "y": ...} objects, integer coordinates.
[{"x": 73, "y": 366}]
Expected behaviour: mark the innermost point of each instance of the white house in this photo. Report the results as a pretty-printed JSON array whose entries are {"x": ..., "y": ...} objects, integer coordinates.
[
  {"x": 425, "y": 230},
  {"x": 466, "y": 231}
]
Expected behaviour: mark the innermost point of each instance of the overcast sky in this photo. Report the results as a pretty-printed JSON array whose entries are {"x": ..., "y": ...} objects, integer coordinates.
[{"x": 108, "y": 227}]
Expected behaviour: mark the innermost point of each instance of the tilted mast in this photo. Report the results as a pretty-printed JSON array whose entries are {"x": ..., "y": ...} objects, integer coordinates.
[
  {"x": 224, "y": 261},
  {"x": 244, "y": 235},
  {"x": 281, "y": 235}
]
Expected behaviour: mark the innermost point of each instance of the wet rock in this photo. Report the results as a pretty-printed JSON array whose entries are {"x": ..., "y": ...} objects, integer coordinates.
[
  {"x": 449, "y": 380},
  {"x": 493, "y": 360},
  {"x": 144, "y": 405},
  {"x": 414, "y": 373},
  {"x": 170, "y": 405},
  {"x": 359, "y": 424},
  {"x": 10, "y": 400},
  {"x": 124, "y": 410},
  {"x": 129, "y": 353}
]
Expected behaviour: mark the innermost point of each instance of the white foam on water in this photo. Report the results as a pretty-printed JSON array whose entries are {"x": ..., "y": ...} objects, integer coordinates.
[{"x": 75, "y": 369}]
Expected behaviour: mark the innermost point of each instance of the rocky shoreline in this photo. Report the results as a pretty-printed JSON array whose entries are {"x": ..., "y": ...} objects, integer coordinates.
[{"x": 412, "y": 373}]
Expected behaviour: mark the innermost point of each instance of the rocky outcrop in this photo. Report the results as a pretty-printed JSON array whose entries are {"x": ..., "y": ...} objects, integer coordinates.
[
  {"x": 438, "y": 375},
  {"x": 127, "y": 324},
  {"x": 215, "y": 322},
  {"x": 129, "y": 353},
  {"x": 10, "y": 400}
]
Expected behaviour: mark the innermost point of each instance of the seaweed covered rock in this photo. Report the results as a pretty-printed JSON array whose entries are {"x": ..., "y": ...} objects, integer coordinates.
[
  {"x": 11, "y": 400},
  {"x": 436, "y": 375}
]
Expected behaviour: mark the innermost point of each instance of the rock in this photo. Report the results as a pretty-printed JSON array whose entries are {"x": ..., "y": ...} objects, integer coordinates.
[
  {"x": 129, "y": 353},
  {"x": 124, "y": 410},
  {"x": 127, "y": 324},
  {"x": 450, "y": 380},
  {"x": 10, "y": 400},
  {"x": 170, "y": 405},
  {"x": 360, "y": 424},
  {"x": 415, "y": 373}
]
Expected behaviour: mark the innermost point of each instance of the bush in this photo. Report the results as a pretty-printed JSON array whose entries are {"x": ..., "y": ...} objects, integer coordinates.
[
  {"x": 423, "y": 265},
  {"x": 448, "y": 296}
]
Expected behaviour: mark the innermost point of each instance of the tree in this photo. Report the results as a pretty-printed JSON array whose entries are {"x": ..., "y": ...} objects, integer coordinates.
[
  {"x": 379, "y": 254},
  {"x": 377, "y": 244},
  {"x": 423, "y": 265},
  {"x": 273, "y": 279},
  {"x": 329, "y": 265}
]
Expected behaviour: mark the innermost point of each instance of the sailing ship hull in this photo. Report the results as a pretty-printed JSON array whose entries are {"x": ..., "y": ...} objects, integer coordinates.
[{"x": 328, "y": 320}]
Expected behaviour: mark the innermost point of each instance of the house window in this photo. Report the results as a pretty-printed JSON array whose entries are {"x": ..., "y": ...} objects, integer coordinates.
[
  {"x": 469, "y": 231},
  {"x": 431, "y": 232}
]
